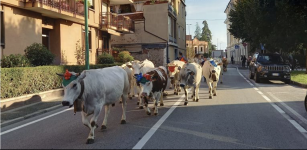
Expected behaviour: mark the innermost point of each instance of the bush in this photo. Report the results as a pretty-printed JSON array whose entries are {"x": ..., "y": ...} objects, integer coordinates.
[
  {"x": 39, "y": 55},
  {"x": 29, "y": 80},
  {"x": 105, "y": 58},
  {"x": 125, "y": 56},
  {"x": 15, "y": 60}
]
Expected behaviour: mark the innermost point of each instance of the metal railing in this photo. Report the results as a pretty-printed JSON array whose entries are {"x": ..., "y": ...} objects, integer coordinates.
[
  {"x": 71, "y": 6},
  {"x": 172, "y": 10},
  {"x": 117, "y": 22}
]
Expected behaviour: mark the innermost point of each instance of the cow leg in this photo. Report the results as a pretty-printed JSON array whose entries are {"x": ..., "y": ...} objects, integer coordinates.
[
  {"x": 186, "y": 95},
  {"x": 94, "y": 125},
  {"x": 124, "y": 106},
  {"x": 85, "y": 119},
  {"x": 105, "y": 119},
  {"x": 194, "y": 91},
  {"x": 157, "y": 96},
  {"x": 214, "y": 88},
  {"x": 161, "y": 99},
  {"x": 210, "y": 89},
  {"x": 146, "y": 108},
  {"x": 131, "y": 91},
  {"x": 197, "y": 92}
]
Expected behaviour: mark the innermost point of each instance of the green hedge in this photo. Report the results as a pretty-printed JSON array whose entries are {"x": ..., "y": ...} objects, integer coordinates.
[{"x": 28, "y": 80}]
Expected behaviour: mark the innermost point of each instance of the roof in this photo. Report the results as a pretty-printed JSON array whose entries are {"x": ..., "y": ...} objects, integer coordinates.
[{"x": 188, "y": 37}]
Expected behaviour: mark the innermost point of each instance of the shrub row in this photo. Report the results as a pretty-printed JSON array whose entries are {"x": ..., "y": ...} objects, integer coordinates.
[{"x": 29, "y": 80}]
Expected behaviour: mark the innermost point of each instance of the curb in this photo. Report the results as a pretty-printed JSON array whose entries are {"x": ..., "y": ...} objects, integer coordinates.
[
  {"x": 5, "y": 123},
  {"x": 299, "y": 84}
]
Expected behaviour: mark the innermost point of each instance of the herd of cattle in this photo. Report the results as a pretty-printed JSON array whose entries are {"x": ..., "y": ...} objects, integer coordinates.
[{"x": 95, "y": 88}]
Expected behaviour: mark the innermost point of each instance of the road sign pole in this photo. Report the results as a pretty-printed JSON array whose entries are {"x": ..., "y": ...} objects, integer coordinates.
[{"x": 87, "y": 65}]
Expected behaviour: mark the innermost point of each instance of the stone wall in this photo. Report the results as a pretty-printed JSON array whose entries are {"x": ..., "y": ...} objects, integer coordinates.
[{"x": 154, "y": 55}]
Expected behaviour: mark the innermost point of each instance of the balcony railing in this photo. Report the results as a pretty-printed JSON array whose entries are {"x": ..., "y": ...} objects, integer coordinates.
[
  {"x": 70, "y": 6},
  {"x": 172, "y": 10},
  {"x": 116, "y": 22}
]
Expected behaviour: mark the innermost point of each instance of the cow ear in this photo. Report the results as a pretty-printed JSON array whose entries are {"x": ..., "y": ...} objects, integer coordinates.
[
  {"x": 142, "y": 66},
  {"x": 179, "y": 68}
]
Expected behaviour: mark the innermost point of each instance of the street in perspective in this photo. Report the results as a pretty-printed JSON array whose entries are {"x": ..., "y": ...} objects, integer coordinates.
[{"x": 130, "y": 74}]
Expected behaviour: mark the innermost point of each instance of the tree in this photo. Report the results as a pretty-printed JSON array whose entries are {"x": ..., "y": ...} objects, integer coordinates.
[
  {"x": 197, "y": 33},
  {"x": 206, "y": 33},
  {"x": 280, "y": 25}
]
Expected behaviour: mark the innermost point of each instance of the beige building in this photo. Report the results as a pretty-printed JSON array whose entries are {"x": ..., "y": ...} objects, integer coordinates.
[
  {"x": 59, "y": 25},
  {"x": 160, "y": 29},
  {"x": 235, "y": 47},
  {"x": 197, "y": 46}
]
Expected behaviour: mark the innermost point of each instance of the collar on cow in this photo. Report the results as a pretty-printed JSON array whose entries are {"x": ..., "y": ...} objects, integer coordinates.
[
  {"x": 82, "y": 89},
  {"x": 213, "y": 63}
]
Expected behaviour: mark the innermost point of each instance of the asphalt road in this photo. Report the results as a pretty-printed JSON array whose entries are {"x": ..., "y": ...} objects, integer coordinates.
[{"x": 242, "y": 115}]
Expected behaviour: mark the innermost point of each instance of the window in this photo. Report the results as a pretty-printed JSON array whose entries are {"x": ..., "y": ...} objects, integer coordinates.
[
  {"x": 179, "y": 32},
  {"x": 45, "y": 37},
  {"x": 91, "y": 4},
  {"x": 169, "y": 26},
  {"x": 2, "y": 42},
  {"x": 201, "y": 49},
  {"x": 104, "y": 7},
  {"x": 182, "y": 9},
  {"x": 89, "y": 39}
]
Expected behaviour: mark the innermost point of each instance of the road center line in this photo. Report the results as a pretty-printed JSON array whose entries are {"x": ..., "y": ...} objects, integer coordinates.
[
  {"x": 151, "y": 132},
  {"x": 27, "y": 124},
  {"x": 293, "y": 122}
]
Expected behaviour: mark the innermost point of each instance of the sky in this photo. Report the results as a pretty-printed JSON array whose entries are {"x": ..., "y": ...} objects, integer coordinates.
[{"x": 213, "y": 12}]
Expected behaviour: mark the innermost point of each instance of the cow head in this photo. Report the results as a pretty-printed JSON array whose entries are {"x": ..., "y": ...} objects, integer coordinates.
[
  {"x": 213, "y": 69},
  {"x": 147, "y": 84},
  {"x": 74, "y": 89},
  {"x": 187, "y": 78},
  {"x": 173, "y": 70},
  {"x": 137, "y": 66}
]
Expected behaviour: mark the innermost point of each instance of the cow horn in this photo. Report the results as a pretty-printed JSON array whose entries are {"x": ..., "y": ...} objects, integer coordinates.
[{"x": 61, "y": 75}]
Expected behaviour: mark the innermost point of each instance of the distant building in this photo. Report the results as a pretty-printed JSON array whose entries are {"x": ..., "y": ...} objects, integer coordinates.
[
  {"x": 199, "y": 47},
  {"x": 218, "y": 54}
]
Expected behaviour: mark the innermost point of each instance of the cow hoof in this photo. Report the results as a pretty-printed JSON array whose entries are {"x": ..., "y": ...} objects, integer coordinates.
[
  {"x": 123, "y": 122},
  {"x": 113, "y": 105},
  {"x": 141, "y": 107},
  {"x": 161, "y": 104},
  {"x": 170, "y": 87},
  {"x": 214, "y": 94},
  {"x": 148, "y": 113},
  {"x": 175, "y": 93},
  {"x": 156, "y": 114},
  {"x": 130, "y": 97},
  {"x": 120, "y": 102},
  {"x": 153, "y": 108},
  {"x": 185, "y": 103},
  {"x": 197, "y": 100},
  {"x": 103, "y": 127},
  {"x": 89, "y": 141},
  {"x": 210, "y": 97},
  {"x": 133, "y": 95},
  {"x": 138, "y": 103}
]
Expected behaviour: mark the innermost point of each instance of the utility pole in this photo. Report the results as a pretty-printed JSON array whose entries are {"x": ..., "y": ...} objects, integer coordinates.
[{"x": 87, "y": 65}]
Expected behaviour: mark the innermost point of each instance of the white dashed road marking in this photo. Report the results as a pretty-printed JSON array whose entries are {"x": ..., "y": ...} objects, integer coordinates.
[{"x": 293, "y": 122}]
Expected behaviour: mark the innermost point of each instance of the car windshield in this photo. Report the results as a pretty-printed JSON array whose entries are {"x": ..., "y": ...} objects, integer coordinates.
[{"x": 269, "y": 59}]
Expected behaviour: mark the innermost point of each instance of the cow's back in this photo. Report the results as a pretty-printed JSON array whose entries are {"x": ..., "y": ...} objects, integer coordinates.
[
  {"x": 196, "y": 68},
  {"x": 108, "y": 83},
  {"x": 148, "y": 66},
  {"x": 161, "y": 82}
]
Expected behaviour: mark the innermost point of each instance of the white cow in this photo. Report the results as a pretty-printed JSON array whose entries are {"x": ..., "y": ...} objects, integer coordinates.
[
  {"x": 174, "y": 73},
  {"x": 97, "y": 88},
  {"x": 212, "y": 71},
  {"x": 138, "y": 68},
  {"x": 128, "y": 68},
  {"x": 190, "y": 76}
]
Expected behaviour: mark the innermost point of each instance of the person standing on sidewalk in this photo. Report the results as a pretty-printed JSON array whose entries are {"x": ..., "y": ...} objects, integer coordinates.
[
  {"x": 232, "y": 59},
  {"x": 249, "y": 61},
  {"x": 243, "y": 58}
]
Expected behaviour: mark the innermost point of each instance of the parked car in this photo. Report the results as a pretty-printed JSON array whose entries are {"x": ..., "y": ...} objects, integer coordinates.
[{"x": 269, "y": 67}]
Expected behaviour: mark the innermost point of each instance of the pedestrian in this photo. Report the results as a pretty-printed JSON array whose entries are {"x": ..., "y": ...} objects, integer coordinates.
[
  {"x": 232, "y": 59},
  {"x": 182, "y": 58},
  {"x": 249, "y": 61},
  {"x": 243, "y": 61}
]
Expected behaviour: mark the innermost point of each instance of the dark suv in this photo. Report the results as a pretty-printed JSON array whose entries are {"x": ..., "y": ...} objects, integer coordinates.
[{"x": 269, "y": 67}]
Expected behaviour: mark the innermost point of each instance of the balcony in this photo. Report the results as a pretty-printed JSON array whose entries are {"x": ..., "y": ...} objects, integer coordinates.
[
  {"x": 172, "y": 10},
  {"x": 120, "y": 23},
  {"x": 65, "y": 9}
]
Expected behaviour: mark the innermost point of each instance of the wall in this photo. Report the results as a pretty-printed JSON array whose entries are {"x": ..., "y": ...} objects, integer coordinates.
[
  {"x": 22, "y": 26},
  {"x": 154, "y": 55},
  {"x": 55, "y": 42},
  {"x": 181, "y": 21}
]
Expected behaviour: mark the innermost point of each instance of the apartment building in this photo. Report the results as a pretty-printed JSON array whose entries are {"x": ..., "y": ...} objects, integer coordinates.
[
  {"x": 160, "y": 29},
  {"x": 235, "y": 47},
  {"x": 59, "y": 25}
]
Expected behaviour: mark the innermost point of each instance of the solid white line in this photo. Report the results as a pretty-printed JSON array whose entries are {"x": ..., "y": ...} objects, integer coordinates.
[
  {"x": 289, "y": 108},
  {"x": 27, "y": 124},
  {"x": 278, "y": 109},
  {"x": 150, "y": 133},
  {"x": 266, "y": 98},
  {"x": 297, "y": 126},
  {"x": 260, "y": 92},
  {"x": 256, "y": 89}
]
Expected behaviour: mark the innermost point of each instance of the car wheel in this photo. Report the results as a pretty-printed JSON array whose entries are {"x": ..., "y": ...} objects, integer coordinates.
[
  {"x": 257, "y": 79},
  {"x": 287, "y": 81},
  {"x": 306, "y": 103},
  {"x": 251, "y": 76}
]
